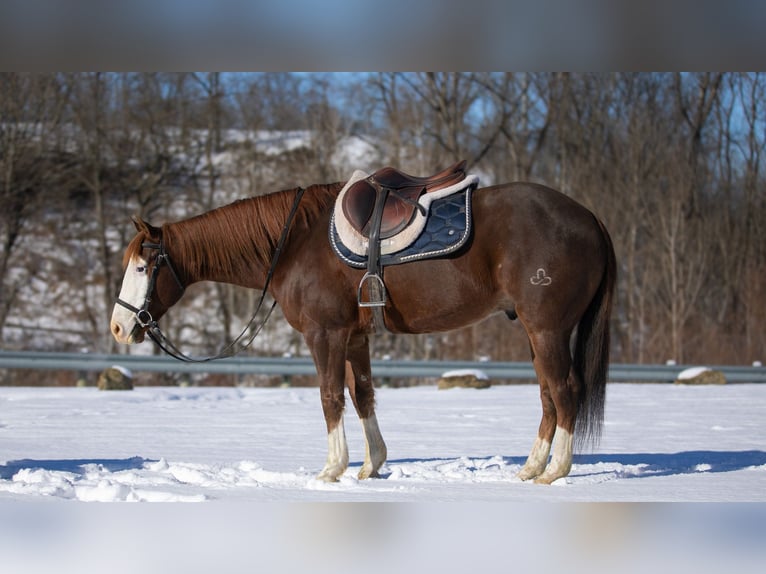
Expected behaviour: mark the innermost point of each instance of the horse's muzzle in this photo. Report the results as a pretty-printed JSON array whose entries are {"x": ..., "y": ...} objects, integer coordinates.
[
  {"x": 137, "y": 334},
  {"x": 121, "y": 335}
]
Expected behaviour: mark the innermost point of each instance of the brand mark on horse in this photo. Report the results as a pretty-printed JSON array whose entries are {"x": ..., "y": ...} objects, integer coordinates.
[{"x": 541, "y": 278}]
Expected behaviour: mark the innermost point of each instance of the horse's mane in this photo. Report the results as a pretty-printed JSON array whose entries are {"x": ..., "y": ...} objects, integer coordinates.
[{"x": 224, "y": 239}]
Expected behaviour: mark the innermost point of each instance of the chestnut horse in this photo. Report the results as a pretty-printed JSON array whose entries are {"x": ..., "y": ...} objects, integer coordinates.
[{"x": 535, "y": 254}]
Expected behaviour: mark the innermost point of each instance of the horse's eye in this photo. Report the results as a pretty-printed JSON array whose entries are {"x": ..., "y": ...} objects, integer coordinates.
[{"x": 140, "y": 269}]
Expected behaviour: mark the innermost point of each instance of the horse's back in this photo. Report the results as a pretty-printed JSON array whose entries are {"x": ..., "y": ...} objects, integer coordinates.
[
  {"x": 531, "y": 202},
  {"x": 529, "y": 217}
]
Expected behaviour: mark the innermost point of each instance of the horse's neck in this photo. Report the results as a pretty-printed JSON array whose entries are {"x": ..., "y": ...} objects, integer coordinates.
[
  {"x": 235, "y": 243},
  {"x": 206, "y": 252}
]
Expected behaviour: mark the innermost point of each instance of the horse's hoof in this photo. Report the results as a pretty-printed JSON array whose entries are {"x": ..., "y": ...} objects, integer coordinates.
[
  {"x": 549, "y": 477},
  {"x": 527, "y": 474},
  {"x": 329, "y": 475},
  {"x": 324, "y": 477},
  {"x": 542, "y": 479},
  {"x": 366, "y": 473}
]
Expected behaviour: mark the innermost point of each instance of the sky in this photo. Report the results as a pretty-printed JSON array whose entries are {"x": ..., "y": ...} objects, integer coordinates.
[{"x": 303, "y": 35}]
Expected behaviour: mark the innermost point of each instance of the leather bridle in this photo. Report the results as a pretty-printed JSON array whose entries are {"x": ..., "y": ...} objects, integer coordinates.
[{"x": 143, "y": 317}]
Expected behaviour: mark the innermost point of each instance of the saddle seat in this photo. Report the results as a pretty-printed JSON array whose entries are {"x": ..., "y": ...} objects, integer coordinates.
[{"x": 403, "y": 191}]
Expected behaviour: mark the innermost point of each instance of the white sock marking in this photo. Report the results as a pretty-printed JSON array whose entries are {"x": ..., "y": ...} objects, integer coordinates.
[
  {"x": 375, "y": 448},
  {"x": 337, "y": 454}
]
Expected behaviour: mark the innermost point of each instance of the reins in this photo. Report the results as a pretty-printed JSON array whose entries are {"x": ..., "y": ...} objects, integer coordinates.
[{"x": 144, "y": 318}]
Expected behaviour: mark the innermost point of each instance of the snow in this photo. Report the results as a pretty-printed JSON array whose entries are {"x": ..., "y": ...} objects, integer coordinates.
[
  {"x": 691, "y": 373},
  {"x": 239, "y": 451},
  {"x": 479, "y": 374},
  {"x": 124, "y": 370},
  {"x": 660, "y": 443}
]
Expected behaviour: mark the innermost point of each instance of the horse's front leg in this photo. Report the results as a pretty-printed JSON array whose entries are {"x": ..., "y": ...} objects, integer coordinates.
[
  {"x": 329, "y": 351},
  {"x": 359, "y": 382}
]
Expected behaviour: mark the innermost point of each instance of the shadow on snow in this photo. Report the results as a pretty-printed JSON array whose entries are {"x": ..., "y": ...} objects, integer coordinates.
[
  {"x": 628, "y": 465},
  {"x": 638, "y": 465},
  {"x": 73, "y": 466}
]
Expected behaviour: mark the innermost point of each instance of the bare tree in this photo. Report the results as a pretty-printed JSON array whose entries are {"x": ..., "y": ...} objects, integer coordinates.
[
  {"x": 449, "y": 97},
  {"x": 30, "y": 111},
  {"x": 738, "y": 198},
  {"x": 520, "y": 116}
]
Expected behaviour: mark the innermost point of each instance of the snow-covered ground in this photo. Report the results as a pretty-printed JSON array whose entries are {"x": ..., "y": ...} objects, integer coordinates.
[
  {"x": 660, "y": 443},
  {"x": 244, "y": 449}
]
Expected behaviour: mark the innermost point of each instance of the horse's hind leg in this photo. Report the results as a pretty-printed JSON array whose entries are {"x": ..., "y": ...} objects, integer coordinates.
[
  {"x": 359, "y": 382},
  {"x": 538, "y": 457},
  {"x": 559, "y": 393}
]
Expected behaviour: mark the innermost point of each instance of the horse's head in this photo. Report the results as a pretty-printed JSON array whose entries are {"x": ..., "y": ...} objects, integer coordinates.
[{"x": 150, "y": 285}]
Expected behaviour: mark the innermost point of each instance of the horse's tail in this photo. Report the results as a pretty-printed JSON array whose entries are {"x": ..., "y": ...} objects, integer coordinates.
[{"x": 591, "y": 352}]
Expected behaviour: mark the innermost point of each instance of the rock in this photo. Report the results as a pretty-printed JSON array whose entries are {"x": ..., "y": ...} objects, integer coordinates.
[
  {"x": 470, "y": 379},
  {"x": 700, "y": 376},
  {"x": 115, "y": 378}
]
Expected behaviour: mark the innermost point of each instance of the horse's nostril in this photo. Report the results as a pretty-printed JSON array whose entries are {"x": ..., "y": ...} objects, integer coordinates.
[{"x": 116, "y": 329}]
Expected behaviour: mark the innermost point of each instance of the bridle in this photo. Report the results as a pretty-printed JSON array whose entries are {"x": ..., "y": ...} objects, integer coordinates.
[
  {"x": 145, "y": 320},
  {"x": 143, "y": 317}
]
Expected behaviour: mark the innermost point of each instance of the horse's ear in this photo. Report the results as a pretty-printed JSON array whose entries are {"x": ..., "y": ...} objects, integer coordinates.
[{"x": 145, "y": 226}]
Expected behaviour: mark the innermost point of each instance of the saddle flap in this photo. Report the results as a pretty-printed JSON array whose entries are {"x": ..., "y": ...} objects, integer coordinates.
[
  {"x": 397, "y": 213},
  {"x": 358, "y": 203}
]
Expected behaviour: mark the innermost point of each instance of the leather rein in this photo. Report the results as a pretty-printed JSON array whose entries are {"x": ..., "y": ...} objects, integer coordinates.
[{"x": 145, "y": 320}]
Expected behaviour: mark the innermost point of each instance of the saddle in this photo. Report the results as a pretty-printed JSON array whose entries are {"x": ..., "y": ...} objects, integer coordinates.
[
  {"x": 401, "y": 192},
  {"x": 385, "y": 213}
]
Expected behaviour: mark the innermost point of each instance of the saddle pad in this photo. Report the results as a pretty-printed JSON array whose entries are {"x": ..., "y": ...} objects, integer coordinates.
[
  {"x": 447, "y": 229},
  {"x": 355, "y": 242}
]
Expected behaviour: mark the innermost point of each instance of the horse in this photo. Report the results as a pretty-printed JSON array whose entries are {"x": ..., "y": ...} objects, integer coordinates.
[{"x": 535, "y": 254}]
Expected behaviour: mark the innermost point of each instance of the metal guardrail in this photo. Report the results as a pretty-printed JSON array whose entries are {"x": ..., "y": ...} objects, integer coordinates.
[{"x": 380, "y": 368}]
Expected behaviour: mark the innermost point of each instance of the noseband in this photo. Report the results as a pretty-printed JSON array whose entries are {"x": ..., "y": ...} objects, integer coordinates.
[{"x": 143, "y": 317}]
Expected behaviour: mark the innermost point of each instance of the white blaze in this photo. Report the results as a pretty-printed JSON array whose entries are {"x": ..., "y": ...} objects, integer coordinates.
[{"x": 135, "y": 284}]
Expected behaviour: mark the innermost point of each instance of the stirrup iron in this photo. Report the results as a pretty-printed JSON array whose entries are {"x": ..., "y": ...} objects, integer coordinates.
[{"x": 376, "y": 291}]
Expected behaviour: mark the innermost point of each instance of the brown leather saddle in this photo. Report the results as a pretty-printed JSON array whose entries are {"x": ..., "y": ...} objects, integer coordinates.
[{"x": 401, "y": 192}]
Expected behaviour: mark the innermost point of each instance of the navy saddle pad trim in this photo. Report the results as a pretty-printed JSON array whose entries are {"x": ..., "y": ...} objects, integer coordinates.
[{"x": 447, "y": 230}]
